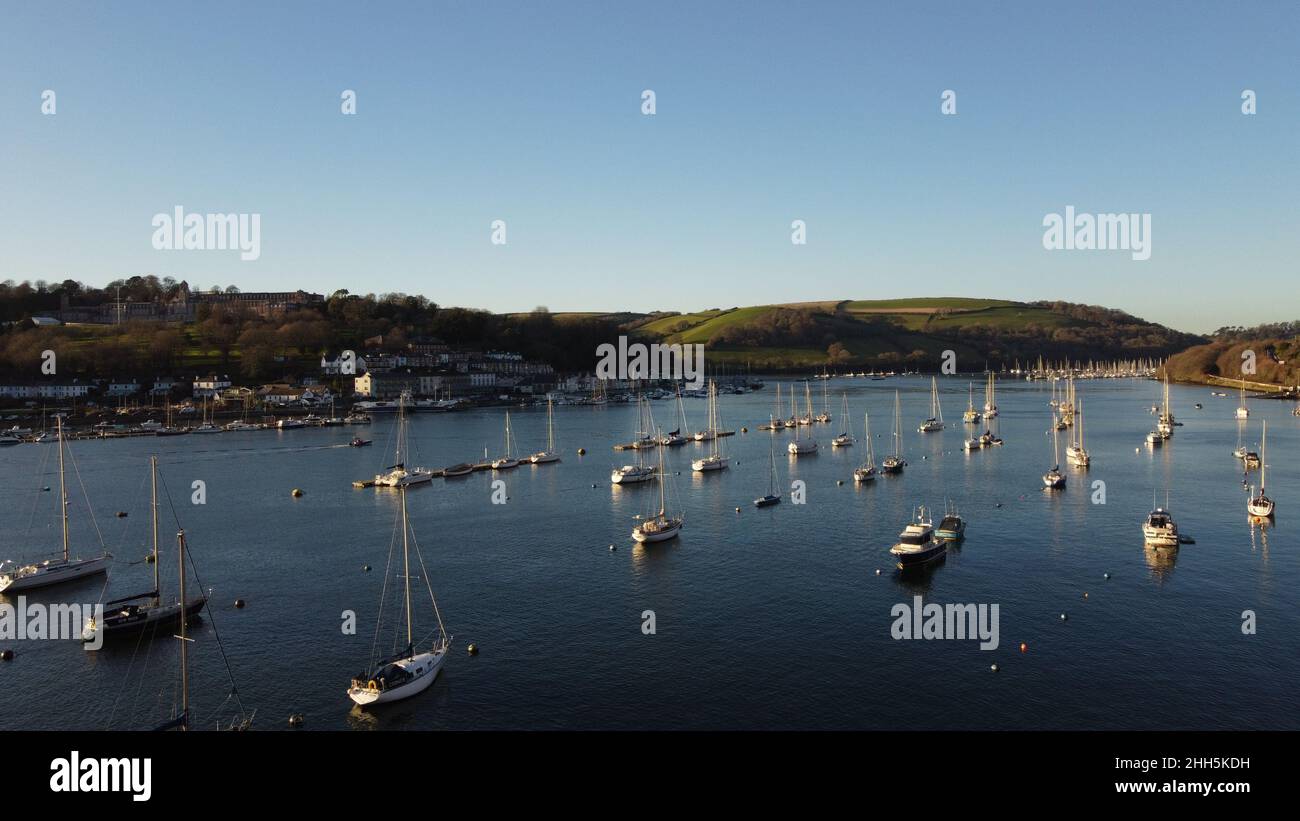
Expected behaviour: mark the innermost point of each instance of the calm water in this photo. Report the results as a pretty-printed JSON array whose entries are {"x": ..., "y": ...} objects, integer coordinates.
[{"x": 769, "y": 618}]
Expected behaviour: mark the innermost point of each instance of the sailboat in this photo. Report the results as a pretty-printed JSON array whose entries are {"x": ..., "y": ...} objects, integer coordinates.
[
  {"x": 1054, "y": 479},
  {"x": 1165, "y": 424},
  {"x": 206, "y": 425},
  {"x": 398, "y": 474},
  {"x": 772, "y": 496},
  {"x": 715, "y": 460},
  {"x": 825, "y": 415},
  {"x": 807, "y": 418},
  {"x": 659, "y": 527},
  {"x": 1240, "y": 452},
  {"x": 990, "y": 398},
  {"x": 867, "y": 471},
  {"x": 550, "y": 454},
  {"x": 845, "y": 438},
  {"x": 1076, "y": 454},
  {"x": 52, "y": 571},
  {"x": 1261, "y": 506},
  {"x": 800, "y": 445},
  {"x": 508, "y": 460},
  {"x": 409, "y": 672},
  {"x": 971, "y": 416},
  {"x": 1243, "y": 412},
  {"x": 674, "y": 437},
  {"x": 143, "y": 610},
  {"x": 935, "y": 421},
  {"x": 640, "y": 472},
  {"x": 895, "y": 463},
  {"x": 793, "y": 420}
]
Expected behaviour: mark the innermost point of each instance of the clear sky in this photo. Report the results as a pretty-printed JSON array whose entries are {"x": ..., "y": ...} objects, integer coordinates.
[{"x": 530, "y": 112}]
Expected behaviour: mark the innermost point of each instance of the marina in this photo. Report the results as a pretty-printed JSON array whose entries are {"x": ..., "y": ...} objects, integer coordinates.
[{"x": 822, "y": 559}]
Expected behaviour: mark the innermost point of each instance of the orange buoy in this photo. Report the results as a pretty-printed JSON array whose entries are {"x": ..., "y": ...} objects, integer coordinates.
[{"x": 1024, "y": 648}]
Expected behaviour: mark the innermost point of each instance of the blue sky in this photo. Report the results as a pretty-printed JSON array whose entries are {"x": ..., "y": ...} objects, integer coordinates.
[{"x": 766, "y": 113}]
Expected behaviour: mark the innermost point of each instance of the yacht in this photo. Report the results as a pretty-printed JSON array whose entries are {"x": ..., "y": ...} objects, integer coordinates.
[
  {"x": 1054, "y": 479},
  {"x": 867, "y": 471},
  {"x": 801, "y": 446},
  {"x": 640, "y": 472},
  {"x": 935, "y": 421},
  {"x": 715, "y": 460},
  {"x": 1261, "y": 506},
  {"x": 550, "y": 454},
  {"x": 1243, "y": 412},
  {"x": 507, "y": 461},
  {"x": 990, "y": 399},
  {"x": 411, "y": 670},
  {"x": 1076, "y": 454},
  {"x": 399, "y": 475},
  {"x": 1155, "y": 439},
  {"x": 660, "y": 527},
  {"x": 971, "y": 416},
  {"x": 15, "y": 578},
  {"x": 916, "y": 544},
  {"x": 772, "y": 496},
  {"x": 894, "y": 463},
  {"x": 845, "y": 439},
  {"x": 1159, "y": 529}
]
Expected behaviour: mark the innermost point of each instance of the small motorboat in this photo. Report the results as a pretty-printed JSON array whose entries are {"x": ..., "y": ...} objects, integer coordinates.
[
  {"x": 916, "y": 544},
  {"x": 358, "y": 442},
  {"x": 952, "y": 528},
  {"x": 1159, "y": 529},
  {"x": 462, "y": 469}
]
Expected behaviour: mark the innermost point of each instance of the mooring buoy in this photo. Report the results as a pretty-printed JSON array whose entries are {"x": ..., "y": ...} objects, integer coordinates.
[
  {"x": 297, "y": 493},
  {"x": 296, "y": 720},
  {"x": 993, "y": 667},
  {"x": 582, "y": 451},
  {"x": 1024, "y": 648},
  {"x": 239, "y": 604},
  {"x": 6, "y": 655},
  {"x": 473, "y": 649}
]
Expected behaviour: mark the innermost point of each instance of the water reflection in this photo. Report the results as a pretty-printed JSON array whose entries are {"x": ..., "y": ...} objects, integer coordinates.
[{"x": 1161, "y": 561}]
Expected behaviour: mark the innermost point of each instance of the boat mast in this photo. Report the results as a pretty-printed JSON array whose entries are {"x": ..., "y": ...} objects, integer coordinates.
[
  {"x": 406, "y": 570},
  {"x": 662, "y": 504},
  {"x": 63, "y": 488},
  {"x": 185, "y": 668},
  {"x": 153, "y": 480}
]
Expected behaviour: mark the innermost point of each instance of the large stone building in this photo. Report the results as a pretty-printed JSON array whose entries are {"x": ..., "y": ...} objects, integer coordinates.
[{"x": 183, "y": 306}]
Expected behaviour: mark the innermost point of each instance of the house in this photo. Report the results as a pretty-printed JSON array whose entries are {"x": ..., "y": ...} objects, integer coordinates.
[
  {"x": 333, "y": 366},
  {"x": 279, "y": 394},
  {"x": 47, "y": 390},
  {"x": 210, "y": 385},
  {"x": 122, "y": 388},
  {"x": 163, "y": 385}
]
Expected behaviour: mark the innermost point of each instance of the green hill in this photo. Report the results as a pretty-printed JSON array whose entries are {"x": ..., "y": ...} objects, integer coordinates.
[{"x": 853, "y": 333}]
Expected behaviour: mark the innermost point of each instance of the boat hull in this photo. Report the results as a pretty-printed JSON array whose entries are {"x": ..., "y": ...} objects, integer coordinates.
[
  {"x": 55, "y": 572},
  {"x": 423, "y": 666}
]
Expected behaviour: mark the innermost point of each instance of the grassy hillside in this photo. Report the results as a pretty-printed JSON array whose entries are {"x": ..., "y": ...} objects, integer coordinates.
[{"x": 854, "y": 333}]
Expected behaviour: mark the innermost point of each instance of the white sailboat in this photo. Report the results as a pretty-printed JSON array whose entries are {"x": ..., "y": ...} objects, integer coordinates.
[
  {"x": 1261, "y": 506},
  {"x": 640, "y": 472},
  {"x": 935, "y": 421},
  {"x": 550, "y": 454},
  {"x": 507, "y": 461},
  {"x": 15, "y": 578},
  {"x": 825, "y": 415},
  {"x": 990, "y": 398},
  {"x": 971, "y": 416},
  {"x": 398, "y": 474},
  {"x": 800, "y": 446},
  {"x": 867, "y": 471},
  {"x": 410, "y": 671},
  {"x": 845, "y": 439},
  {"x": 894, "y": 463},
  {"x": 1054, "y": 479},
  {"x": 660, "y": 527},
  {"x": 1243, "y": 412},
  {"x": 807, "y": 418},
  {"x": 1076, "y": 454},
  {"x": 715, "y": 460},
  {"x": 1240, "y": 452},
  {"x": 1165, "y": 424}
]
